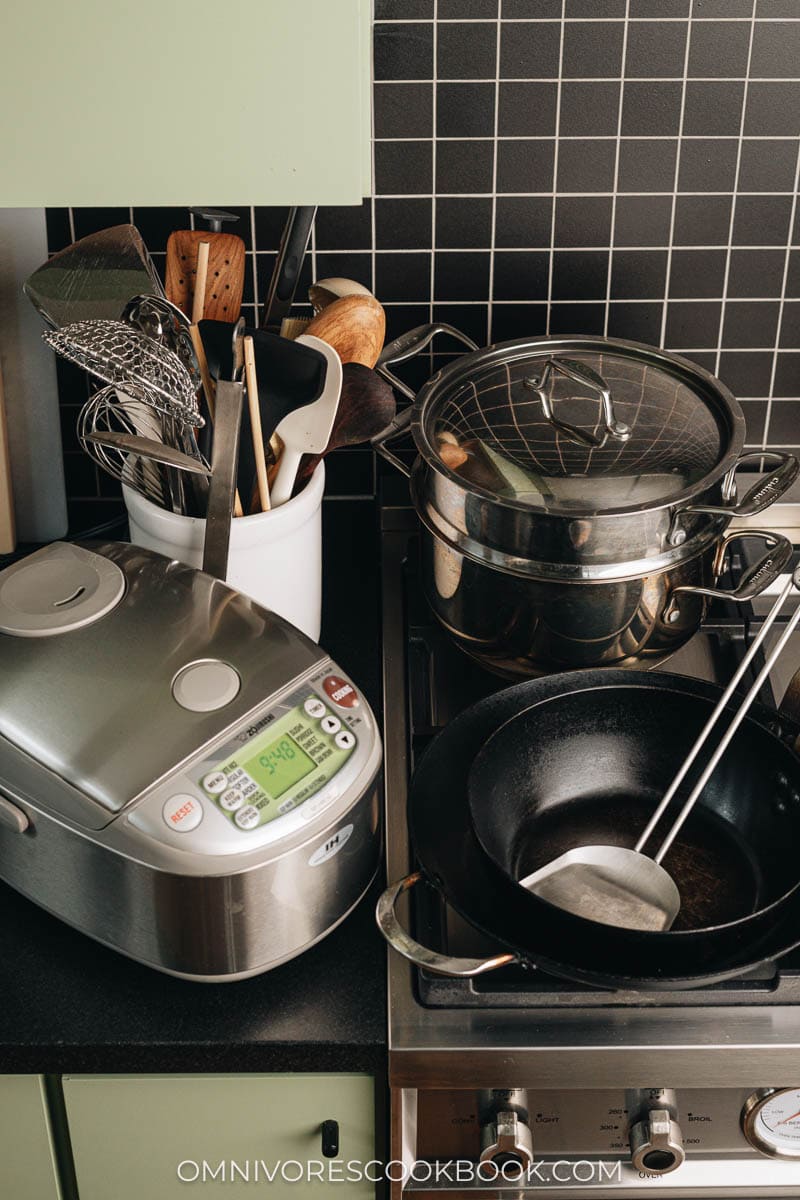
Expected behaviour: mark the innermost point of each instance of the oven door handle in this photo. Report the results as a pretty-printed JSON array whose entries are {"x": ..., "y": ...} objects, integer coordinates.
[{"x": 401, "y": 940}]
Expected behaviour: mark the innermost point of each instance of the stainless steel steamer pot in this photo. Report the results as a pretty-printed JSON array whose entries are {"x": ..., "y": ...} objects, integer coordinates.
[{"x": 588, "y": 524}]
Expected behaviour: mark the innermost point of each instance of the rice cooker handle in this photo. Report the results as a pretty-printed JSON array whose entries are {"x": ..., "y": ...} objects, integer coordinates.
[{"x": 401, "y": 940}]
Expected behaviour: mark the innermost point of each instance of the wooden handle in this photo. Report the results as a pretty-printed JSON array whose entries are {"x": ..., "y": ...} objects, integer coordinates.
[
  {"x": 205, "y": 374},
  {"x": 7, "y": 532},
  {"x": 355, "y": 326},
  {"x": 200, "y": 281},
  {"x": 255, "y": 424}
]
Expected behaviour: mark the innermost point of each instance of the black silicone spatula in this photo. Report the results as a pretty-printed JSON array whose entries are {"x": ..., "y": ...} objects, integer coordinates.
[{"x": 290, "y": 375}]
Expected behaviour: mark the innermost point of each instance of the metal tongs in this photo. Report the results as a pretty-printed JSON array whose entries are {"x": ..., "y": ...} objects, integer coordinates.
[{"x": 627, "y": 888}]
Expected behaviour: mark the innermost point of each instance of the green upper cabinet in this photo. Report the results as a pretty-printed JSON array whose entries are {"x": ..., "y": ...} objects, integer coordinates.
[{"x": 245, "y": 102}]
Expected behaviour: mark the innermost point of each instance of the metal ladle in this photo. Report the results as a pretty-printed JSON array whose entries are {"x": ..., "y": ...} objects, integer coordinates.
[{"x": 619, "y": 886}]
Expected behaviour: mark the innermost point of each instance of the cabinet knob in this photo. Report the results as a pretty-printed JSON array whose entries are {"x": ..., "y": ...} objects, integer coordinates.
[{"x": 330, "y": 1139}]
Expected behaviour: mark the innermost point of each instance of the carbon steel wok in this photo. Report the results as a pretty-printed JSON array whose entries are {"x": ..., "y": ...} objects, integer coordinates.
[{"x": 584, "y": 758}]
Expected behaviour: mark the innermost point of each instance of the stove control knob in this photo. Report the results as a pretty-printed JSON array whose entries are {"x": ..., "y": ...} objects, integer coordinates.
[
  {"x": 655, "y": 1135},
  {"x": 505, "y": 1134}
]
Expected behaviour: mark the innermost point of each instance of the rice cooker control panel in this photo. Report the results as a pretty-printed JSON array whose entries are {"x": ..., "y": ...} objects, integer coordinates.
[{"x": 269, "y": 779}]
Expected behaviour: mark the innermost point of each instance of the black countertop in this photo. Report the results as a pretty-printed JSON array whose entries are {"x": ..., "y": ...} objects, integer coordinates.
[{"x": 68, "y": 1004}]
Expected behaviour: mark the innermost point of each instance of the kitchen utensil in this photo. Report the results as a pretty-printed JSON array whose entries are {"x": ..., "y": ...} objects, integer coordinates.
[
  {"x": 307, "y": 430},
  {"x": 158, "y": 318},
  {"x": 591, "y": 753},
  {"x": 93, "y": 278},
  {"x": 255, "y": 424},
  {"x": 149, "y": 448},
  {"x": 613, "y": 559},
  {"x": 200, "y": 280},
  {"x": 366, "y": 407},
  {"x": 288, "y": 266},
  {"x": 619, "y": 886},
  {"x": 118, "y": 354},
  {"x": 216, "y": 217},
  {"x": 110, "y": 412},
  {"x": 7, "y": 535},
  {"x": 216, "y": 817},
  {"x": 222, "y": 494},
  {"x": 325, "y": 291},
  {"x": 222, "y": 295},
  {"x": 355, "y": 326}
]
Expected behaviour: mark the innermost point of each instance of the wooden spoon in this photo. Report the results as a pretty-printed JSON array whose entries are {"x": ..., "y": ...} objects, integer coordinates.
[
  {"x": 326, "y": 291},
  {"x": 366, "y": 407},
  {"x": 355, "y": 326}
]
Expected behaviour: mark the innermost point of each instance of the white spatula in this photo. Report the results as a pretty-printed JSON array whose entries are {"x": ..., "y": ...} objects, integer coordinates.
[{"x": 307, "y": 430}]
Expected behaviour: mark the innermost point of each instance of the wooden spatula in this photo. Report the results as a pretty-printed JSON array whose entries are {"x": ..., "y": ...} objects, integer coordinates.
[{"x": 222, "y": 300}]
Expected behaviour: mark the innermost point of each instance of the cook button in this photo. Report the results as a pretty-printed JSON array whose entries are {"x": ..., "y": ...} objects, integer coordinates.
[
  {"x": 215, "y": 783},
  {"x": 247, "y": 818},
  {"x": 331, "y": 724},
  {"x": 314, "y": 707},
  {"x": 183, "y": 813},
  {"x": 340, "y": 691},
  {"x": 345, "y": 740},
  {"x": 232, "y": 799}
]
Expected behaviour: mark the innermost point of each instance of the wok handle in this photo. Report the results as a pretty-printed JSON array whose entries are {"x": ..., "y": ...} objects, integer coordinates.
[
  {"x": 757, "y": 579},
  {"x": 578, "y": 372},
  {"x": 760, "y": 496},
  {"x": 401, "y": 940}
]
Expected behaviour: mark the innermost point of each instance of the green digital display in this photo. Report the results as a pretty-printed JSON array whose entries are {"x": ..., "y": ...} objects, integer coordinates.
[{"x": 279, "y": 765}]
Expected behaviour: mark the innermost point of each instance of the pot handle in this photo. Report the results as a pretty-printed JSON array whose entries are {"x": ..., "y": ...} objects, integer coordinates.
[
  {"x": 753, "y": 582},
  {"x": 760, "y": 496},
  {"x": 578, "y": 372},
  {"x": 408, "y": 345},
  {"x": 421, "y": 956}
]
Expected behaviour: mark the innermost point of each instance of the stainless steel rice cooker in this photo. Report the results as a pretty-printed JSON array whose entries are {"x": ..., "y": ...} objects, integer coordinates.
[{"x": 184, "y": 776}]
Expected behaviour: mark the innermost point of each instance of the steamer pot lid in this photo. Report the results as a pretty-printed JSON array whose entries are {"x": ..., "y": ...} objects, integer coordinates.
[{"x": 580, "y": 424}]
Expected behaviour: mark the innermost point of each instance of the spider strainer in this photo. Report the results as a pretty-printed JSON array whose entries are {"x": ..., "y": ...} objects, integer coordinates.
[{"x": 118, "y": 354}]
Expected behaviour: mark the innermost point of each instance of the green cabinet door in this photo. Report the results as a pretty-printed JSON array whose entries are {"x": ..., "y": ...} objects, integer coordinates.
[
  {"x": 27, "y": 1163},
  {"x": 136, "y": 1136},
  {"x": 184, "y": 102}
]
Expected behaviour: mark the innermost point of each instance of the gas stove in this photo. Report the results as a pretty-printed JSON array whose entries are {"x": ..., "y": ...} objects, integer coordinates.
[{"x": 630, "y": 1092}]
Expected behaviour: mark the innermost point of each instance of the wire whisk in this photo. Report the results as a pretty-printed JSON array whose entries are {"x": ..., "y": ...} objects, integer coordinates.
[{"x": 131, "y": 411}]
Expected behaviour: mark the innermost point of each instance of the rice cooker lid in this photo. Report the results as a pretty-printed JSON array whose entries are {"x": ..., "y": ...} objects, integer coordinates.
[{"x": 581, "y": 424}]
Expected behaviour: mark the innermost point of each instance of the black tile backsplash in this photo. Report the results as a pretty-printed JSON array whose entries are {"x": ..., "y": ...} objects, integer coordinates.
[{"x": 549, "y": 166}]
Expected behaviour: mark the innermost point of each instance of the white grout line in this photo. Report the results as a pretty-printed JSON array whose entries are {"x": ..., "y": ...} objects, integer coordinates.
[
  {"x": 663, "y": 337},
  {"x": 551, "y": 263},
  {"x": 434, "y": 115},
  {"x": 617, "y": 149},
  {"x": 777, "y": 347},
  {"x": 490, "y": 311},
  {"x": 583, "y": 20},
  {"x": 778, "y": 80},
  {"x": 726, "y": 277}
]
